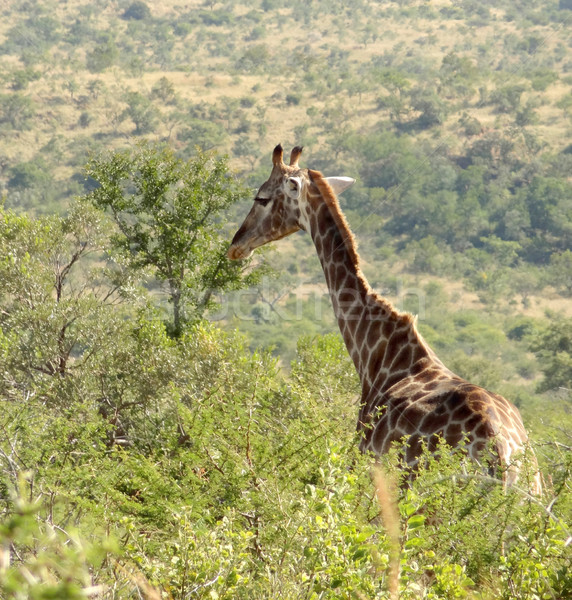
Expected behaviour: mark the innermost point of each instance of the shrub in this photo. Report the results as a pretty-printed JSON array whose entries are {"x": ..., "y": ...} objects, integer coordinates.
[{"x": 138, "y": 11}]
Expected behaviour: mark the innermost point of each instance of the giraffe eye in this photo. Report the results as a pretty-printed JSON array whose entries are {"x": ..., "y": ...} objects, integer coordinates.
[{"x": 263, "y": 201}]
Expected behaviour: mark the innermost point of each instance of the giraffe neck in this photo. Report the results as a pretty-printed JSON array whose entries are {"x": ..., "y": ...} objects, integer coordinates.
[{"x": 382, "y": 342}]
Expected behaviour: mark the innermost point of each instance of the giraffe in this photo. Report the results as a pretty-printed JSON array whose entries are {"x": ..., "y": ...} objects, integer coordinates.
[{"x": 407, "y": 392}]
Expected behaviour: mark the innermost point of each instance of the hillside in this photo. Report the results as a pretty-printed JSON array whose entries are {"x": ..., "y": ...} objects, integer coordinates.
[{"x": 238, "y": 76}]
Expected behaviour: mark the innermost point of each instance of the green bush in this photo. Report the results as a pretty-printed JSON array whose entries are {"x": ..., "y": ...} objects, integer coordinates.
[{"x": 137, "y": 10}]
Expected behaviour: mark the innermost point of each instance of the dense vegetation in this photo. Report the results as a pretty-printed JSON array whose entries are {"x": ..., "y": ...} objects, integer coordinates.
[{"x": 147, "y": 447}]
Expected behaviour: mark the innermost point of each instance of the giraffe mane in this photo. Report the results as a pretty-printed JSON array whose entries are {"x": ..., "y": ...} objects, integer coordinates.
[{"x": 331, "y": 201}]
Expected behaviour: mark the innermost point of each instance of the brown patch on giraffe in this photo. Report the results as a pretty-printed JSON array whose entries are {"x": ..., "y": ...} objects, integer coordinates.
[
  {"x": 454, "y": 433},
  {"x": 346, "y": 334},
  {"x": 433, "y": 441},
  {"x": 395, "y": 343},
  {"x": 338, "y": 254},
  {"x": 374, "y": 366},
  {"x": 418, "y": 367},
  {"x": 501, "y": 411},
  {"x": 332, "y": 272},
  {"x": 429, "y": 374},
  {"x": 402, "y": 360},
  {"x": 355, "y": 356},
  {"x": 266, "y": 223},
  {"x": 394, "y": 378},
  {"x": 361, "y": 331},
  {"x": 405, "y": 321},
  {"x": 276, "y": 220},
  {"x": 394, "y": 412},
  {"x": 347, "y": 297},
  {"x": 405, "y": 389},
  {"x": 415, "y": 396},
  {"x": 414, "y": 448},
  {"x": 379, "y": 434},
  {"x": 418, "y": 353},
  {"x": 473, "y": 422},
  {"x": 408, "y": 421},
  {"x": 341, "y": 275},
  {"x": 374, "y": 338},
  {"x": 477, "y": 445},
  {"x": 477, "y": 404},
  {"x": 387, "y": 329},
  {"x": 434, "y": 422},
  {"x": 431, "y": 386},
  {"x": 318, "y": 245},
  {"x": 455, "y": 399},
  {"x": 484, "y": 430},
  {"x": 461, "y": 412},
  {"x": 314, "y": 224}
]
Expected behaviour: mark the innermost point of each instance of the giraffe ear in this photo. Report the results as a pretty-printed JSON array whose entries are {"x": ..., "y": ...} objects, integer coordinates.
[
  {"x": 293, "y": 187},
  {"x": 340, "y": 184}
]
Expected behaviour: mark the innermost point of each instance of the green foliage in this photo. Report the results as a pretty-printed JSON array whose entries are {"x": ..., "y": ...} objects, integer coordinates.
[
  {"x": 16, "y": 111},
  {"x": 103, "y": 56},
  {"x": 23, "y": 77},
  {"x": 432, "y": 109},
  {"x": 542, "y": 78},
  {"x": 141, "y": 111},
  {"x": 553, "y": 347},
  {"x": 215, "y": 473},
  {"x": 166, "y": 211},
  {"x": 137, "y": 10},
  {"x": 29, "y": 174},
  {"x": 164, "y": 90},
  {"x": 507, "y": 98},
  {"x": 560, "y": 271},
  {"x": 49, "y": 562},
  {"x": 50, "y": 324}
]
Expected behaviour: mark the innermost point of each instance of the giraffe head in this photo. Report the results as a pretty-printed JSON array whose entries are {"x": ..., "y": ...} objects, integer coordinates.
[{"x": 276, "y": 212}]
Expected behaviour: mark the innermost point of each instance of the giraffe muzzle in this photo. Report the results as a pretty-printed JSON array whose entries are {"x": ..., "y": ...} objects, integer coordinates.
[{"x": 238, "y": 253}]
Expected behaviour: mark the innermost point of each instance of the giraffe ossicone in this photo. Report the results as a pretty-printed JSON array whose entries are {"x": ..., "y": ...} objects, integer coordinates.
[{"x": 407, "y": 392}]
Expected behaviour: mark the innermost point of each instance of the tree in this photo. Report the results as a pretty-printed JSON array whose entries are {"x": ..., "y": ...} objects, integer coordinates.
[
  {"x": 141, "y": 111},
  {"x": 52, "y": 321},
  {"x": 164, "y": 90},
  {"x": 166, "y": 211},
  {"x": 432, "y": 109},
  {"x": 560, "y": 271},
  {"x": 507, "y": 98},
  {"x": 137, "y": 10},
  {"x": 458, "y": 75},
  {"x": 553, "y": 348},
  {"x": 30, "y": 174},
  {"x": 202, "y": 133},
  {"x": 103, "y": 56},
  {"x": 16, "y": 110},
  {"x": 548, "y": 203}
]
